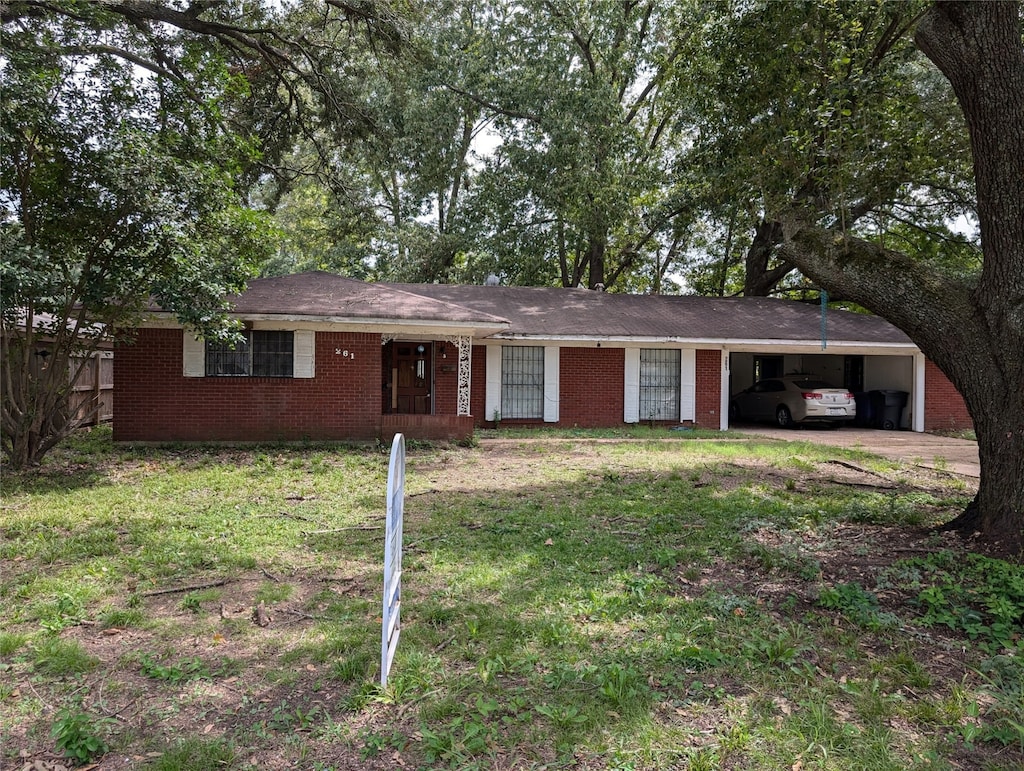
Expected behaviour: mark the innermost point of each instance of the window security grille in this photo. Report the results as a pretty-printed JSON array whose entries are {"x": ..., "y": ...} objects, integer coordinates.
[
  {"x": 259, "y": 354},
  {"x": 272, "y": 354},
  {"x": 660, "y": 381},
  {"x": 522, "y": 382}
]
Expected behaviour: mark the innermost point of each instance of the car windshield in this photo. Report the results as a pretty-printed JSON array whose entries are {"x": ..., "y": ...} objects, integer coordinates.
[{"x": 812, "y": 384}]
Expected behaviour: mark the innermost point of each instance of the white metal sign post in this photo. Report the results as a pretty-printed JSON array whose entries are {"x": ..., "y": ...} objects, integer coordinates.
[{"x": 391, "y": 626}]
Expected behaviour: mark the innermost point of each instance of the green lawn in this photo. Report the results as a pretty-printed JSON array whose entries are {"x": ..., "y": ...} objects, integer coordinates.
[{"x": 641, "y": 600}]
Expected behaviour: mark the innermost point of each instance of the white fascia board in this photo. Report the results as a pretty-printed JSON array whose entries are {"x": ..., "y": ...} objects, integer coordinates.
[{"x": 755, "y": 345}]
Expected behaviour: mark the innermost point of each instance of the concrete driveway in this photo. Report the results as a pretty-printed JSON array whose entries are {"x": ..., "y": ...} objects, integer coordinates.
[{"x": 930, "y": 450}]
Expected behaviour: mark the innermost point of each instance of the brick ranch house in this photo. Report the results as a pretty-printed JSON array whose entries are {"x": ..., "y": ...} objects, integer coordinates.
[{"x": 332, "y": 358}]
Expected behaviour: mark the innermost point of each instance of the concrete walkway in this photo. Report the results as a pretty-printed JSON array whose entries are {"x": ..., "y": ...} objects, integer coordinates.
[{"x": 930, "y": 450}]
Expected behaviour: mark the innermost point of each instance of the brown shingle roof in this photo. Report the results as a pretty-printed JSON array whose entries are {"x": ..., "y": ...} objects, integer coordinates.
[
  {"x": 583, "y": 313},
  {"x": 329, "y": 295},
  {"x": 553, "y": 312}
]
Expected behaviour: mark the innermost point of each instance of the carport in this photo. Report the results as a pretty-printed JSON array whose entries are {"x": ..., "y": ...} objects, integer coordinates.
[{"x": 858, "y": 367}]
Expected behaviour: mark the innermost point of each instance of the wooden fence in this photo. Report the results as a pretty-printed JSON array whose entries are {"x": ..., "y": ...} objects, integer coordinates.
[{"x": 95, "y": 383}]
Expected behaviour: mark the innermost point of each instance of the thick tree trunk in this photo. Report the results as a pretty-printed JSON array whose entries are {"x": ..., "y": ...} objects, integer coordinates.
[
  {"x": 596, "y": 248},
  {"x": 758, "y": 279},
  {"x": 981, "y": 356}
]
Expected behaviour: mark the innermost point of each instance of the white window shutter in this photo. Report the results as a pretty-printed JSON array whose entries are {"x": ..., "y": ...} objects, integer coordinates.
[
  {"x": 631, "y": 392},
  {"x": 193, "y": 355},
  {"x": 551, "y": 384},
  {"x": 492, "y": 389},
  {"x": 688, "y": 385},
  {"x": 304, "y": 353}
]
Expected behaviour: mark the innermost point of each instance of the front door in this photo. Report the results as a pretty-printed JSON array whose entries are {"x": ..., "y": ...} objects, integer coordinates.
[{"x": 411, "y": 377}]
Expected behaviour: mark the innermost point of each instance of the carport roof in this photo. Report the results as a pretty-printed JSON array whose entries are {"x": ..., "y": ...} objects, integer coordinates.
[{"x": 584, "y": 314}]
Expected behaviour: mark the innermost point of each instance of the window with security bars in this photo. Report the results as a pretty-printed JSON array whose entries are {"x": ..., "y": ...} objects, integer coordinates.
[
  {"x": 522, "y": 382},
  {"x": 258, "y": 354},
  {"x": 660, "y": 382}
]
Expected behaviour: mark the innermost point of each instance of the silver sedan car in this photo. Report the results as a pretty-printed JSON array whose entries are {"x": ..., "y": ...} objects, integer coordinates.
[{"x": 787, "y": 401}]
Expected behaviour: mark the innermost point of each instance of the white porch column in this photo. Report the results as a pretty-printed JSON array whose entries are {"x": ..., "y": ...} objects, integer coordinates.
[
  {"x": 465, "y": 346},
  {"x": 917, "y": 397},
  {"x": 631, "y": 387},
  {"x": 688, "y": 385},
  {"x": 492, "y": 389},
  {"x": 723, "y": 404}
]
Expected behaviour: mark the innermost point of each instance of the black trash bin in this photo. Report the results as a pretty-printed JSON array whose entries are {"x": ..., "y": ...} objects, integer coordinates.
[{"x": 887, "y": 408}]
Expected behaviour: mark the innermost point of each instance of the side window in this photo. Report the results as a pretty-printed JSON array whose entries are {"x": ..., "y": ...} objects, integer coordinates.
[
  {"x": 660, "y": 381},
  {"x": 272, "y": 353},
  {"x": 522, "y": 381},
  {"x": 260, "y": 354},
  {"x": 223, "y": 360}
]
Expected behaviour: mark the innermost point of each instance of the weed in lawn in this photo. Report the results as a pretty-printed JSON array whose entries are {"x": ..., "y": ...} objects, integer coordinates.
[
  {"x": 901, "y": 669},
  {"x": 1004, "y": 682},
  {"x": 80, "y": 736},
  {"x": 461, "y": 741},
  {"x": 11, "y": 643},
  {"x": 555, "y": 633},
  {"x": 187, "y": 669},
  {"x": 274, "y": 592},
  {"x": 66, "y": 611},
  {"x": 353, "y": 668},
  {"x": 122, "y": 617},
  {"x": 695, "y": 658},
  {"x": 364, "y": 694},
  {"x": 195, "y": 755},
  {"x": 286, "y": 717},
  {"x": 621, "y": 686},
  {"x": 858, "y": 605},
  {"x": 979, "y": 596},
  {"x": 55, "y": 657},
  {"x": 374, "y": 744}
]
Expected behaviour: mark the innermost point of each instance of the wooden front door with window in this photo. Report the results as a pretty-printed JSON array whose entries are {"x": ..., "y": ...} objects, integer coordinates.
[{"x": 411, "y": 378}]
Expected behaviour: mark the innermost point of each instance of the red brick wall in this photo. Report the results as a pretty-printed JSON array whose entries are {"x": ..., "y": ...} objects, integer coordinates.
[
  {"x": 944, "y": 407},
  {"x": 154, "y": 402},
  {"x": 591, "y": 384},
  {"x": 446, "y": 379},
  {"x": 709, "y": 389}
]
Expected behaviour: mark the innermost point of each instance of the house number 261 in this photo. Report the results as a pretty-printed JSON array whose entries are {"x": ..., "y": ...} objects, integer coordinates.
[{"x": 345, "y": 353}]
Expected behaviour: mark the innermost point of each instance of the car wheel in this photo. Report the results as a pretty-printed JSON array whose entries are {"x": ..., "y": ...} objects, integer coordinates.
[
  {"x": 783, "y": 417},
  {"x": 734, "y": 412}
]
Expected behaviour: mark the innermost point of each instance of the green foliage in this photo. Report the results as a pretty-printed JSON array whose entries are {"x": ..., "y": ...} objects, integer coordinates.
[
  {"x": 842, "y": 115},
  {"x": 194, "y": 754},
  {"x": 55, "y": 657},
  {"x": 1004, "y": 681},
  {"x": 978, "y": 595},
  {"x": 187, "y": 669},
  {"x": 464, "y": 737},
  {"x": 11, "y": 643},
  {"x": 857, "y": 604},
  {"x": 79, "y": 736},
  {"x": 105, "y": 207}
]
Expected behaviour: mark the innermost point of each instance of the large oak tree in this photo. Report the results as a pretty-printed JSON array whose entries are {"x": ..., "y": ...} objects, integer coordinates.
[{"x": 973, "y": 329}]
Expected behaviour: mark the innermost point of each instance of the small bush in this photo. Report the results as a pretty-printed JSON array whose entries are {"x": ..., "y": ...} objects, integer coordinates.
[{"x": 78, "y": 735}]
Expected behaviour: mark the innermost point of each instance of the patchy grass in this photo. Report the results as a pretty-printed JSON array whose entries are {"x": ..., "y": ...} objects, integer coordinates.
[{"x": 641, "y": 601}]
